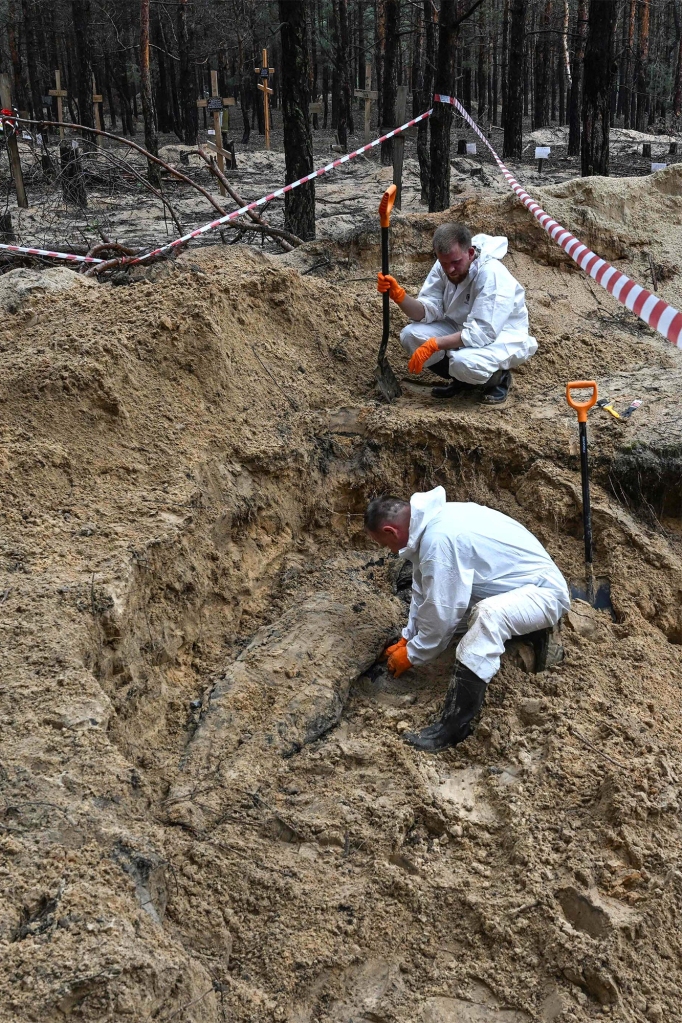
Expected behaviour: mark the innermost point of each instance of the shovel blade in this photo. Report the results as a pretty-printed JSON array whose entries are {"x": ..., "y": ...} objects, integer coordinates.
[
  {"x": 602, "y": 594},
  {"x": 387, "y": 382}
]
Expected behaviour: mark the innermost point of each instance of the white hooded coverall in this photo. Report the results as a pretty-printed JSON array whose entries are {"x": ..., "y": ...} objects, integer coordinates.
[
  {"x": 489, "y": 307},
  {"x": 464, "y": 555}
]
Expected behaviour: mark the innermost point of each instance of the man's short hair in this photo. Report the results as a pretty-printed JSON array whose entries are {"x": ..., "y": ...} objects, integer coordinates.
[
  {"x": 447, "y": 235},
  {"x": 383, "y": 510}
]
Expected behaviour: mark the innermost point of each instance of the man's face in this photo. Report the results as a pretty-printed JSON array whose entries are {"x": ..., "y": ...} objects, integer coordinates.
[
  {"x": 393, "y": 535},
  {"x": 456, "y": 263}
]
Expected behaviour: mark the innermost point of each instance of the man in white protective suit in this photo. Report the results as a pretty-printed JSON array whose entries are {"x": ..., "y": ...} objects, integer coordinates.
[
  {"x": 470, "y": 321},
  {"x": 473, "y": 567}
]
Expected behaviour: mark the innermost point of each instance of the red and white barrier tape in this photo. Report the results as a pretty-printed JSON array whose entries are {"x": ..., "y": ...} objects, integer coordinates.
[
  {"x": 656, "y": 313},
  {"x": 215, "y": 224},
  {"x": 69, "y": 256}
]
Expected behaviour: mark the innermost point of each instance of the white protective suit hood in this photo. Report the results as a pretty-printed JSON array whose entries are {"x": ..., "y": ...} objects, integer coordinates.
[
  {"x": 489, "y": 247},
  {"x": 423, "y": 507}
]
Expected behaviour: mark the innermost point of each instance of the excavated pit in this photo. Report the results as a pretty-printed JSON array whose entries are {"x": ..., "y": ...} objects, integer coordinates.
[{"x": 208, "y": 811}]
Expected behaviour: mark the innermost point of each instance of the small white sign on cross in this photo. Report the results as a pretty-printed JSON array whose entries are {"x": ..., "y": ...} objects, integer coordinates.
[
  {"x": 471, "y": 149},
  {"x": 658, "y": 166},
  {"x": 542, "y": 152}
]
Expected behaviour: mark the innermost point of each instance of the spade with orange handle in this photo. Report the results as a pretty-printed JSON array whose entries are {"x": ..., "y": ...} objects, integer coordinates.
[
  {"x": 582, "y": 408},
  {"x": 387, "y": 382}
]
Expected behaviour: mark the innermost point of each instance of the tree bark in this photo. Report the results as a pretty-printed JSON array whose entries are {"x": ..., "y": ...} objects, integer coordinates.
[
  {"x": 428, "y": 65},
  {"x": 575, "y": 107},
  {"x": 391, "y": 45},
  {"x": 81, "y": 21},
  {"x": 299, "y": 208},
  {"x": 599, "y": 75},
  {"x": 188, "y": 88},
  {"x": 151, "y": 141},
  {"x": 513, "y": 111},
  {"x": 481, "y": 69},
  {"x": 643, "y": 66},
  {"x": 441, "y": 119},
  {"x": 677, "y": 93}
]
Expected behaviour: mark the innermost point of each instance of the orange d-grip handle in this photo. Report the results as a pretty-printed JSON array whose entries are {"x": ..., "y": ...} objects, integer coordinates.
[
  {"x": 581, "y": 407},
  {"x": 386, "y": 205}
]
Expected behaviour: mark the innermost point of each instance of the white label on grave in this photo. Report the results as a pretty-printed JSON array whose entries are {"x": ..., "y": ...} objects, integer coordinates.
[
  {"x": 471, "y": 149},
  {"x": 658, "y": 166},
  {"x": 211, "y": 131},
  {"x": 542, "y": 152}
]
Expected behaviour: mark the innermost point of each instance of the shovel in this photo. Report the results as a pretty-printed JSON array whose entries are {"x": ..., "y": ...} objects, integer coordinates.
[
  {"x": 387, "y": 382},
  {"x": 597, "y": 593}
]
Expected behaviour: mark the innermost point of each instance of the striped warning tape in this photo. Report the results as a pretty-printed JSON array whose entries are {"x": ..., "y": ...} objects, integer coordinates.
[
  {"x": 656, "y": 313},
  {"x": 71, "y": 257},
  {"x": 215, "y": 224}
]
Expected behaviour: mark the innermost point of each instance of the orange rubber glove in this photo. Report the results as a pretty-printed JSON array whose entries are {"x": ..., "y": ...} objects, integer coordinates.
[
  {"x": 424, "y": 352},
  {"x": 392, "y": 649},
  {"x": 399, "y": 662},
  {"x": 387, "y": 283}
]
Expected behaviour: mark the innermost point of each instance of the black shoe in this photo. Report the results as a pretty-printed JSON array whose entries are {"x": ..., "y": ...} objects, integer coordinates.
[
  {"x": 463, "y": 701},
  {"x": 497, "y": 388},
  {"x": 452, "y": 389}
]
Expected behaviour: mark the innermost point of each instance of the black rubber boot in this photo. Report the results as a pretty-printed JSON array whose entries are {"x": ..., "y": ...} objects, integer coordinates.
[
  {"x": 497, "y": 388},
  {"x": 452, "y": 389},
  {"x": 546, "y": 644},
  {"x": 463, "y": 701}
]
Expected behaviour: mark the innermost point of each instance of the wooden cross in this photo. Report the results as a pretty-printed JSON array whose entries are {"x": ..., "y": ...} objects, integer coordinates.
[
  {"x": 96, "y": 100},
  {"x": 61, "y": 95},
  {"x": 264, "y": 73},
  {"x": 368, "y": 97}
]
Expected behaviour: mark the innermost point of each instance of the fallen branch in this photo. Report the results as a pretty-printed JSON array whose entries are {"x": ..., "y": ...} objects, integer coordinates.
[
  {"x": 144, "y": 181},
  {"x": 276, "y": 232},
  {"x": 108, "y": 246},
  {"x": 292, "y": 239},
  {"x": 131, "y": 145}
]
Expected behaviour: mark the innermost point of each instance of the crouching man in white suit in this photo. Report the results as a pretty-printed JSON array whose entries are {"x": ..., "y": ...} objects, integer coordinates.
[
  {"x": 471, "y": 566},
  {"x": 470, "y": 321}
]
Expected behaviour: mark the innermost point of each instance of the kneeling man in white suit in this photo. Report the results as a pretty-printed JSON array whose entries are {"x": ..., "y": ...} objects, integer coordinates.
[
  {"x": 470, "y": 321},
  {"x": 472, "y": 567}
]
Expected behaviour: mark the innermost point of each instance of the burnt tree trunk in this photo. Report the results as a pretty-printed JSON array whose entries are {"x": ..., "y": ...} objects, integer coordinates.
[
  {"x": 81, "y": 20},
  {"x": 677, "y": 89},
  {"x": 299, "y": 208},
  {"x": 441, "y": 119},
  {"x": 642, "y": 67},
  {"x": 151, "y": 140},
  {"x": 575, "y": 106},
  {"x": 188, "y": 88},
  {"x": 345, "y": 93},
  {"x": 391, "y": 45},
  {"x": 513, "y": 110},
  {"x": 426, "y": 97},
  {"x": 599, "y": 74}
]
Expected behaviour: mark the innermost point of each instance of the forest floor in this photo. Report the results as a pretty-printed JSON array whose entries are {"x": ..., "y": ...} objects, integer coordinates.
[{"x": 208, "y": 812}]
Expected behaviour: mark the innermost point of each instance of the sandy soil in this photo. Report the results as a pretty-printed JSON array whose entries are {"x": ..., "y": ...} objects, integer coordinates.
[{"x": 208, "y": 812}]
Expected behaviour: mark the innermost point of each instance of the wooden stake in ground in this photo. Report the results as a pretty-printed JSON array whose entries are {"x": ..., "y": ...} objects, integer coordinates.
[
  {"x": 368, "y": 97},
  {"x": 96, "y": 101},
  {"x": 215, "y": 106},
  {"x": 61, "y": 95},
  {"x": 399, "y": 143},
  {"x": 12, "y": 144},
  {"x": 264, "y": 73}
]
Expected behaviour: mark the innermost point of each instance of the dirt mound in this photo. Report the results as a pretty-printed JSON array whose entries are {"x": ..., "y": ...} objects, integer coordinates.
[{"x": 208, "y": 812}]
